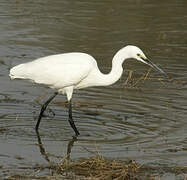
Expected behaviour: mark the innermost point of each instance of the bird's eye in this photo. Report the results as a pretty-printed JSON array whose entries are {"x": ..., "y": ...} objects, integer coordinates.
[{"x": 138, "y": 55}]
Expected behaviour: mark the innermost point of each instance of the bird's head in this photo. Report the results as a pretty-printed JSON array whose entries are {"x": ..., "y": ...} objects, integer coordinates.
[{"x": 136, "y": 53}]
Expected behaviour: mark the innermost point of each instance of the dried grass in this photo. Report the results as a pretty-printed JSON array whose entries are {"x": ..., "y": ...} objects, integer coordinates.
[{"x": 98, "y": 168}]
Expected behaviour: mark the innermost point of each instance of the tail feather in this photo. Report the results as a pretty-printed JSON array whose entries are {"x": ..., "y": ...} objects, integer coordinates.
[{"x": 17, "y": 72}]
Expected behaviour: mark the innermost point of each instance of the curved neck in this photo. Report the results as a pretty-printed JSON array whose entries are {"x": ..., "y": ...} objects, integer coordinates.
[{"x": 116, "y": 71}]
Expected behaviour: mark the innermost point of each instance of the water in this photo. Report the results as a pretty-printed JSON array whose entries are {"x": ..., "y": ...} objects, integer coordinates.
[{"x": 146, "y": 123}]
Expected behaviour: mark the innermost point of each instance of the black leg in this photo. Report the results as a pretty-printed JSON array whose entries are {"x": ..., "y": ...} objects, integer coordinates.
[
  {"x": 71, "y": 119},
  {"x": 44, "y": 106}
]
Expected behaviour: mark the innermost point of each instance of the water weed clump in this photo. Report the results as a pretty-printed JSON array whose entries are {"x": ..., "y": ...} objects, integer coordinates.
[{"x": 99, "y": 168}]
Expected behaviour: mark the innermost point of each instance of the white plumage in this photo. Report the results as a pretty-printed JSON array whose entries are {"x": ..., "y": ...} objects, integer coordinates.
[{"x": 68, "y": 71}]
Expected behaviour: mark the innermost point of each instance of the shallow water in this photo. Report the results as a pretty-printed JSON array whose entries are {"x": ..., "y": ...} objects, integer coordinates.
[{"x": 146, "y": 123}]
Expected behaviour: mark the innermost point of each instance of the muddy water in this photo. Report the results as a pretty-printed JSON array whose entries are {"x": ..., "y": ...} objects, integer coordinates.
[{"x": 146, "y": 123}]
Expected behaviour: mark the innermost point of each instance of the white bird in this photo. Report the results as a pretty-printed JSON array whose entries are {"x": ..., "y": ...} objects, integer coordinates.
[{"x": 69, "y": 71}]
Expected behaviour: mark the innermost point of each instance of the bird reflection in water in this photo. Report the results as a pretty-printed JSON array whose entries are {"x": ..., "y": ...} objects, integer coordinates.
[{"x": 46, "y": 156}]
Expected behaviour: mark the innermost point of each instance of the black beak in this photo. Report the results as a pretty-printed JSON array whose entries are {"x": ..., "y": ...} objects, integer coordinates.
[{"x": 147, "y": 61}]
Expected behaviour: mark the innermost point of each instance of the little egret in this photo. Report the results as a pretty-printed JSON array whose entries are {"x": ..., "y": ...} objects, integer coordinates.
[{"x": 69, "y": 71}]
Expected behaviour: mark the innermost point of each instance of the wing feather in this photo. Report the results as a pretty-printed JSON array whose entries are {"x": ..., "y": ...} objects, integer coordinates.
[{"x": 56, "y": 71}]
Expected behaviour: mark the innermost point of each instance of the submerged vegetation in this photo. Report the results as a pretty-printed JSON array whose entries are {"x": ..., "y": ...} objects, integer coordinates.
[{"x": 134, "y": 82}]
